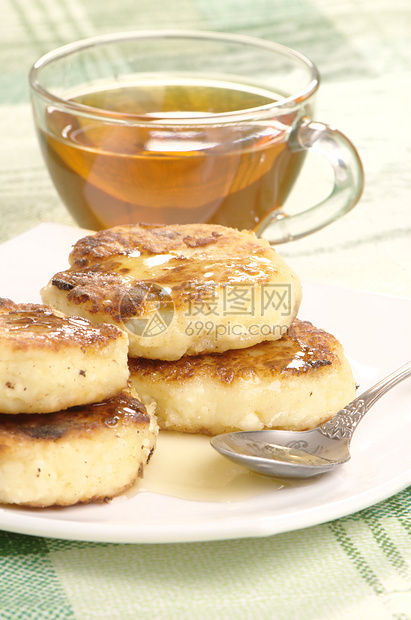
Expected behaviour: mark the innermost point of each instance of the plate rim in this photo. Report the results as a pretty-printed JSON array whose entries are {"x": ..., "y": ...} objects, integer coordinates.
[{"x": 93, "y": 532}]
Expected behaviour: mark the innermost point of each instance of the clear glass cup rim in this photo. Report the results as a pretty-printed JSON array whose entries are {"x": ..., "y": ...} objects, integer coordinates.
[{"x": 285, "y": 104}]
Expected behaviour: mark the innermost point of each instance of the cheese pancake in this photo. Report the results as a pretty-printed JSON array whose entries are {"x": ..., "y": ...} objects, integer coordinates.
[
  {"x": 295, "y": 383},
  {"x": 179, "y": 289},
  {"x": 83, "y": 454},
  {"x": 49, "y": 361}
]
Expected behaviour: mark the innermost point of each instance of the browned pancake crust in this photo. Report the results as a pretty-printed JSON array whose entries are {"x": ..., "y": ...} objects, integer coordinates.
[
  {"x": 153, "y": 239},
  {"x": 99, "y": 279},
  {"x": 304, "y": 349},
  {"x": 72, "y": 423},
  {"x": 25, "y": 325}
]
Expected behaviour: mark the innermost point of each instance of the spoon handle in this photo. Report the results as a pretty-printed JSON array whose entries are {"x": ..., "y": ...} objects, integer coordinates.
[{"x": 343, "y": 424}]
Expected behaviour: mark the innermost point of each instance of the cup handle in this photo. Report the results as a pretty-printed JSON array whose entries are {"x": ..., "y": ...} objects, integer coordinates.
[{"x": 279, "y": 227}]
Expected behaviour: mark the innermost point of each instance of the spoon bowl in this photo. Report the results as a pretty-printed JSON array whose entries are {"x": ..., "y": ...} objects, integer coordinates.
[{"x": 302, "y": 454}]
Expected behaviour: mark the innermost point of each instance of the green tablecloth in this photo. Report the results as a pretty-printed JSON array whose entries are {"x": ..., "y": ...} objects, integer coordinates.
[
  {"x": 358, "y": 566},
  {"x": 354, "y": 568}
]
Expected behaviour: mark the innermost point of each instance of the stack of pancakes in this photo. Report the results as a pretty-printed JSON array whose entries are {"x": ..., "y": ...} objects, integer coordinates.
[
  {"x": 71, "y": 428},
  {"x": 210, "y": 313}
]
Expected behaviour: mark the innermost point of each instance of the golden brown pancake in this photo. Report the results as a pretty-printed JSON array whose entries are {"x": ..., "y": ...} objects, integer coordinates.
[
  {"x": 49, "y": 361},
  {"x": 295, "y": 383},
  {"x": 82, "y": 454},
  {"x": 179, "y": 289}
]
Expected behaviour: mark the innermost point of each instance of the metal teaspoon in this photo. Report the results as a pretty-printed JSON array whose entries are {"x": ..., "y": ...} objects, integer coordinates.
[{"x": 301, "y": 454}]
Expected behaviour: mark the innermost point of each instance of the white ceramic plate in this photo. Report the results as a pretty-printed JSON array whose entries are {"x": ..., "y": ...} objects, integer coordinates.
[{"x": 381, "y": 459}]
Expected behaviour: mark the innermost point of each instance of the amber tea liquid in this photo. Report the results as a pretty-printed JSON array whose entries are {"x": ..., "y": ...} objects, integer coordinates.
[{"x": 231, "y": 174}]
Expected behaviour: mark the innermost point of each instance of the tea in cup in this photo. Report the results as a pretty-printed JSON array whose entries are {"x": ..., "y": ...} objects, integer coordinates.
[{"x": 179, "y": 127}]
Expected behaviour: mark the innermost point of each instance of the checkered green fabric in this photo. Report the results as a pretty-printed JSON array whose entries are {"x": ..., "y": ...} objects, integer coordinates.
[{"x": 356, "y": 567}]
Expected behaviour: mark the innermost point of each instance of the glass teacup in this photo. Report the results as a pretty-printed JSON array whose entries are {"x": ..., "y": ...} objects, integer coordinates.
[{"x": 181, "y": 126}]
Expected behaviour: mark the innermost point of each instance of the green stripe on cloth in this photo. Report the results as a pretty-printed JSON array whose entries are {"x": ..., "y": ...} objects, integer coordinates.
[
  {"x": 356, "y": 557},
  {"x": 387, "y": 546},
  {"x": 53, "y": 21},
  {"x": 377, "y": 542},
  {"x": 29, "y": 587},
  {"x": 38, "y": 26}
]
